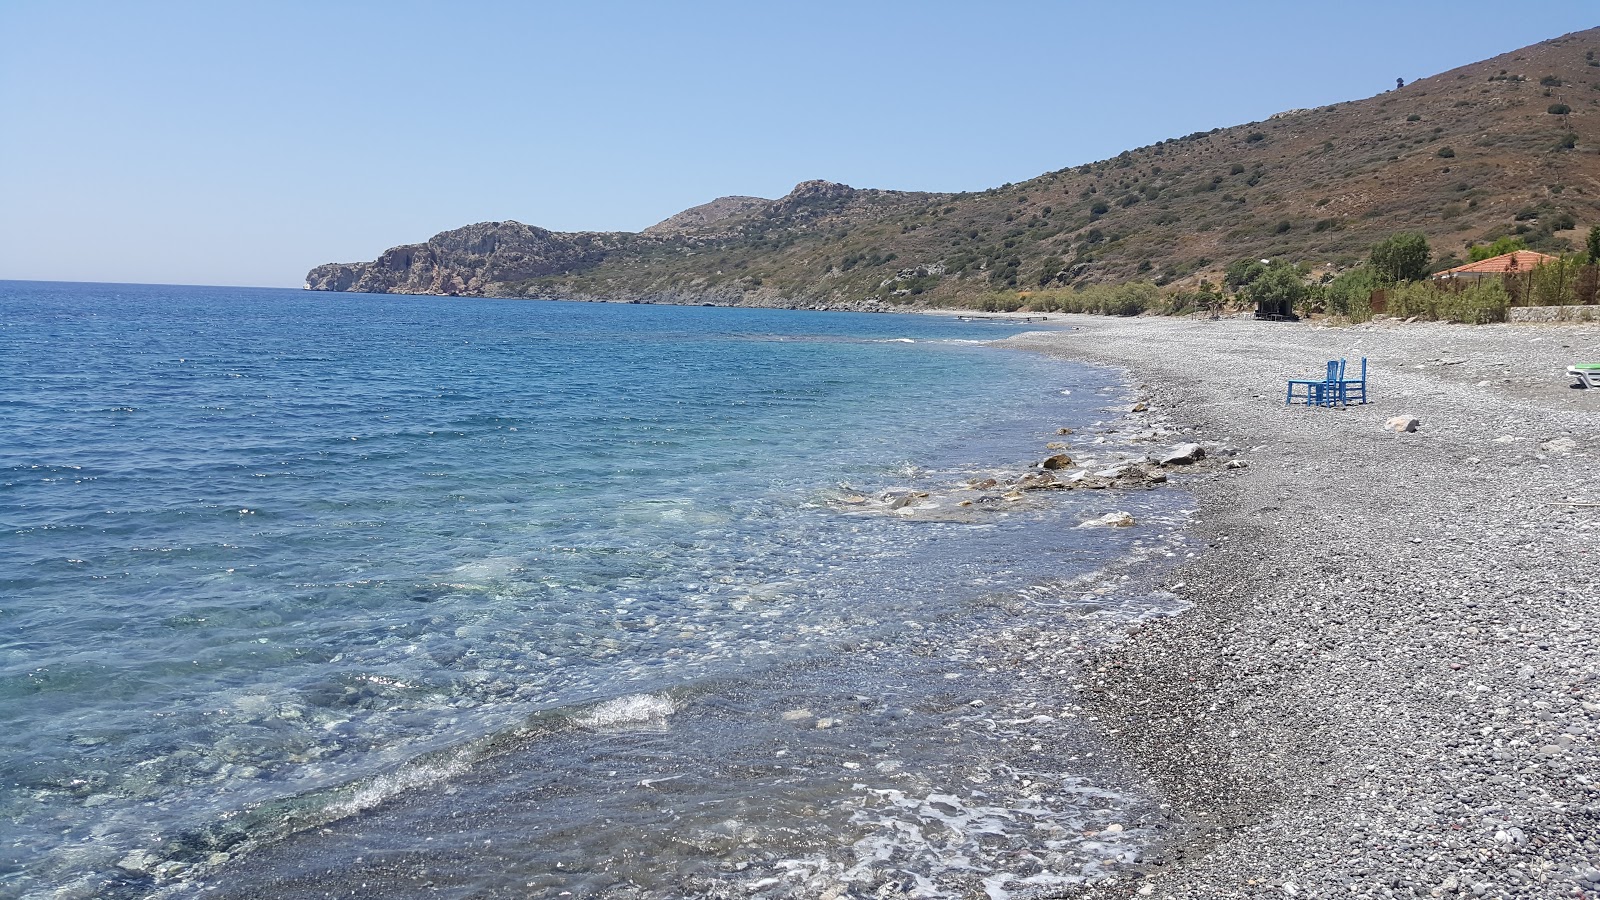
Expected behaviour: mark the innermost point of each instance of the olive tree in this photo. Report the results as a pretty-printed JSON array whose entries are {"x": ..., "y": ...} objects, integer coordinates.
[{"x": 1403, "y": 257}]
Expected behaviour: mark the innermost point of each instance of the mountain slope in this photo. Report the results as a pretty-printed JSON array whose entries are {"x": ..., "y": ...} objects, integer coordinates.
[{"x": 1504, "y": 145}]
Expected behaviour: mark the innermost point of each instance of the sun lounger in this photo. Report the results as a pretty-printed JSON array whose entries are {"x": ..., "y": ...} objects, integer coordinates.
[{"x": 1588, "y": 374}]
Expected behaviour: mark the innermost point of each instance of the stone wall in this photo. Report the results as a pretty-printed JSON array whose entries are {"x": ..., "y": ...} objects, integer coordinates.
[{"x": 1553, "y": 314}]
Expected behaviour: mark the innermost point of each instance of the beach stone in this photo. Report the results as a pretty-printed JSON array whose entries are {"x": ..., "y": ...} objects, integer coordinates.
[
  {"x": 1237, "y": 464},
  {"x": 1038, "y": 481},
  {"x": 1559, "y": 445},
  {"x": 1059, "y": 461},
  {"x": 1141, "y": 406},
  {"x": 902, "y": 500},
  {"x": 1402, "y": 424},
  {"x": 1063, "y": 431},
  {"x": 1117, "y": 519},
  {"x": 982, "y": 484},
  {"x": 1183, "y": 455}
]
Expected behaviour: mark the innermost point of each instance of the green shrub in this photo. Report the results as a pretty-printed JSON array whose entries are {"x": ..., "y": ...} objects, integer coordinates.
[
  {"x": 1550, "y": 81},
  {"x": 1236, "y": 169},
  {"x": 1413, "y": 118},
  {"x": 1451, "y": 301},
  {"x": 1254, "y": 137},
  {"x": 1350, "y": 294},
  {"x": 1445, "y": 153},
  {"x": 1128, "y": 299},
  {"x": 1558, "y": 109}
]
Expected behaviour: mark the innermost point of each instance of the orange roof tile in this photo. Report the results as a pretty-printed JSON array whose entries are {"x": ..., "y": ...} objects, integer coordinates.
[{"x": 1515, "y": 261}]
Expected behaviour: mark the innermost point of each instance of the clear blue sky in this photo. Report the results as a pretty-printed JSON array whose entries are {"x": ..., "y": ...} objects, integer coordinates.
[{"x": 232, "y": 143}]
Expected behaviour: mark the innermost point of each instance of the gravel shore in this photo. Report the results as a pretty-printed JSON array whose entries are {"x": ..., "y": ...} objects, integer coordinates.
[{"x": 1389, "y": 682}]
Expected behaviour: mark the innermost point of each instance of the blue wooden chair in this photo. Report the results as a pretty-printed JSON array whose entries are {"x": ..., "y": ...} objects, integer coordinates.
[
  {"x": 1353, "y": 389},
  {"x": 1318, "y": 393}
]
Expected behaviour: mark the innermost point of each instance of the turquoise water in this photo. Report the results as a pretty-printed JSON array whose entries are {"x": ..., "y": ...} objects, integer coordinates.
[{"x": 275, "y": 566}]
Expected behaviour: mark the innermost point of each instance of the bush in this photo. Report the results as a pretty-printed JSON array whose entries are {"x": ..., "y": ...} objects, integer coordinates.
[
  {"x": 1445, "y": 153},
  {"x": 1479, "y": 252},
  {"x": 1236, "y": 169},
  {"x": 1558, "y": 109},
  {"x": 1468, "y": 303},
  {"x": 1550, "y": 81},
  {"x": 1350, "y": 295},
  {"x": 1129, "y": 299},
  {"x": 1254, "y": 137},
  {"x": 1413, "y": 118}
]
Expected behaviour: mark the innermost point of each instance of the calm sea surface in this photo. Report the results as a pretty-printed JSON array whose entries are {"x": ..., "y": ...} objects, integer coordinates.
[{"x": 417, "y": 596}]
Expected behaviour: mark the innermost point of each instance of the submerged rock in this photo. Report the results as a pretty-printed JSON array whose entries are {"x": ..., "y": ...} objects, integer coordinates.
[{"x": 1116, "y": 519}]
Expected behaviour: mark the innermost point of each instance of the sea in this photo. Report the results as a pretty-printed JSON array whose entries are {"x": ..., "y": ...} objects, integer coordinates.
[{"x": 310, "y": 594}]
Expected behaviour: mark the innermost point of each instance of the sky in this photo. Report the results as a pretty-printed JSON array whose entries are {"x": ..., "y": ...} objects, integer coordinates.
[{"x": 244, "y": 143}]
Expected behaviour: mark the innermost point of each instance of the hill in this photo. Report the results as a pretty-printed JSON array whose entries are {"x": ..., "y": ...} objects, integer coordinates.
[{"x": 1510, "y": 145}]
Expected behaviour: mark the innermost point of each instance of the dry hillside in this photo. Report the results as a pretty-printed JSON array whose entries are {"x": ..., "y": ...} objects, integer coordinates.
[{"x": 1507, "y": 145}]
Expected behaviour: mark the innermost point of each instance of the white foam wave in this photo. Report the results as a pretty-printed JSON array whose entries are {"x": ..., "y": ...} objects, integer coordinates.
[
  {"x": 632, "y": 709},
  {"x": 380, "y": 789}
]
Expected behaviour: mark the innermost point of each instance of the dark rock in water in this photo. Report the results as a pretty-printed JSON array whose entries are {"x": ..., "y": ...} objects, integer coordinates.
[
  {"x": 1059, "y": 461},
  {"x": 1039, "y": 481}
]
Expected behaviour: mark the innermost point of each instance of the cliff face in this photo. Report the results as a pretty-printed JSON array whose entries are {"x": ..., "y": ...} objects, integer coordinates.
[{"x": 1510, "y": 145}]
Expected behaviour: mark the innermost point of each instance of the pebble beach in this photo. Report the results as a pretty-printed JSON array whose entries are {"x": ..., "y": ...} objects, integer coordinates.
[{"x": 1388, "y": 682}]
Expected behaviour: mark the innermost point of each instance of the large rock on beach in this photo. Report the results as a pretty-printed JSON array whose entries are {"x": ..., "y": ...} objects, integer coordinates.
[
  {"x": 1402, "y": 424},
  {"x": 1183, "y": 455}
]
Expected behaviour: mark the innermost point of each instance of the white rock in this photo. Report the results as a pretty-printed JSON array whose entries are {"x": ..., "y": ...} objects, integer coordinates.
[
  {"x": 1183, "y": 454},
  {"x": 1110, "y": 520},
  {"x": 1402, "y": 424}
]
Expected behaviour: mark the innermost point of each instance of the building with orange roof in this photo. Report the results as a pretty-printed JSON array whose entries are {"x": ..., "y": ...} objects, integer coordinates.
[{"x": 1516, "y": 262}]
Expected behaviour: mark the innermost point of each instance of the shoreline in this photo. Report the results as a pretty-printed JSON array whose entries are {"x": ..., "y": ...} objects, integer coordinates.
[{"x": 1388, "y": 683}]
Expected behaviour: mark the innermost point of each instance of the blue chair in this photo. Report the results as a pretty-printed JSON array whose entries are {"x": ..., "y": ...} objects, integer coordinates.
[
  {"x": 1318, "y": 393},
  {"x": 1353, "y": 388}
]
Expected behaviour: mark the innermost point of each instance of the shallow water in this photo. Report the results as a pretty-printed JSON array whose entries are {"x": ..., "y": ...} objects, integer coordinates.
[{"x": 291, "y": 581}]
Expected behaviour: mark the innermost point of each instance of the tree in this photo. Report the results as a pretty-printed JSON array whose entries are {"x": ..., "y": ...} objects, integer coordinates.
[
  {"x": 1279, "y": 287},
  {"x": 1403, "y": 257},
  {"x": 1594, "y": 245},
  {"x": 1242, "y": 272}
]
